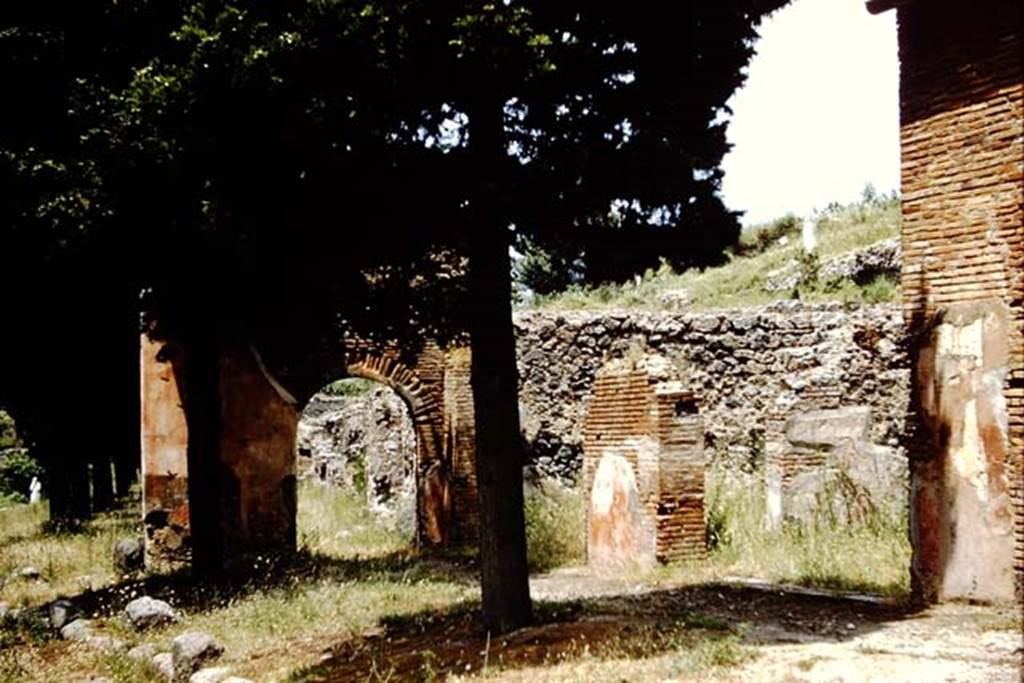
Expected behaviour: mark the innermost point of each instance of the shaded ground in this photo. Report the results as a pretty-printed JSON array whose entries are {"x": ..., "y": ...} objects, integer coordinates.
[{"x": 610, "y": 631}]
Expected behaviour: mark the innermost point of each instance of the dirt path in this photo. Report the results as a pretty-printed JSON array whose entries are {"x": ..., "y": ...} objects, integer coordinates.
[
  {"x": 592, "y": 628},
  {"x": 846, "y": 640}
]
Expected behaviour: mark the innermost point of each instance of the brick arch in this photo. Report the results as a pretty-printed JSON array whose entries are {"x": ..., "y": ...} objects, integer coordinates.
[{"x": 420, "y": 385}]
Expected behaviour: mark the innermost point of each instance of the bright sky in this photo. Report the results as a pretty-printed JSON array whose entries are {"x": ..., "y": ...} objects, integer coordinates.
[{"x": 819, "y": 114}]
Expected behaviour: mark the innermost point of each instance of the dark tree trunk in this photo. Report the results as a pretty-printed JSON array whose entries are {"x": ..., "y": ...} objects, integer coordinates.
[
  {"x": 494, "y": 377},
  {"x": 202, "y": 414},
  {"x": 125, "y": 470},
  {"x": 78, "y": 470},
  {"x": 102, "y": 484},
  {"x": 58, "y": 490}
]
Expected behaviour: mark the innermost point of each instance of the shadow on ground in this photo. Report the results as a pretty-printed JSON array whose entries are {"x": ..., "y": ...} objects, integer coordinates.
[
  {"x": 710, "y": 618},
  {"x": 254, "y": 574}
]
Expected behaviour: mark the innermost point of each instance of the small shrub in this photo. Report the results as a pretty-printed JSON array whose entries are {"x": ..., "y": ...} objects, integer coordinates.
[
  {"x": 555, "y": 526},
  {"x": 17, "y": 468}
]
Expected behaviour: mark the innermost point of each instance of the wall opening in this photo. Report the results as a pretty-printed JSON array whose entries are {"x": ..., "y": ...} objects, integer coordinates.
[{"x": 356, "y": 450}]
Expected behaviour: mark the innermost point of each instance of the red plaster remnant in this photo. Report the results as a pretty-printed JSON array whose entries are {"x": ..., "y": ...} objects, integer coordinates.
[
  {"x": 164, "y": 459},
  {"x": 643, "y": 464},
  {"x": 961, "y": 494},
  {"x": 256, "y": 448}
]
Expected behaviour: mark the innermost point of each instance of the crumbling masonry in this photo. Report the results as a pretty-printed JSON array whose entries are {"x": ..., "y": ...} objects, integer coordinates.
[{"x": 962, "y": 144}]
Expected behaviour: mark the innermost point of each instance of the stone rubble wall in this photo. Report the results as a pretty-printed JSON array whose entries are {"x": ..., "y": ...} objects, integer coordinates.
[
  {"x": 861, "y": 266},
  {"x": 751, "y": 368},
  {"x": 364, "y": 442}
]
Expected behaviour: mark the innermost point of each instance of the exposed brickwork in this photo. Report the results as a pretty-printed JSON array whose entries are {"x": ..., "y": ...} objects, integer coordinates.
[
  {"x": 420, "y": 382},
  {"x": 460, "y": 444},
  {"x": 962, "y": 142},
  {"x": 655, "y": 428},
  {"x": 257, "y": 447}
]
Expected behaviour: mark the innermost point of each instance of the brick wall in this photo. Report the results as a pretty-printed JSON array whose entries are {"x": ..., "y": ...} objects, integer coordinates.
[
  {"x": 655, "y": 429},
  {"x": 962, "y": 142}
]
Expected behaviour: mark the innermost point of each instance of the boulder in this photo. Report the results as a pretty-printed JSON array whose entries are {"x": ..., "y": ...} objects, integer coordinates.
[
  {"x": 164, "y": 663},
  {"x": 107, "y": 644},
  {"x": 829, "y": 428},
  {"x": 29, "y": 573},
  {"x": 77, "y": 630},
  {"x": 147, "y": 612},
  {"x": 129, "y": 555},
  {"x": 144, "y": 652},
  {"x": 190, "y": 651},
  {"x": 61, "y": 612}
]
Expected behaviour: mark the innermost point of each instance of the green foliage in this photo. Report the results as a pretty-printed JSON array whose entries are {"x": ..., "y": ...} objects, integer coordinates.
[
  {"x": 352, "y": 386},
  {"x": 8, "y": 432},
  {"x": 809, "y": 266},
  {"x": 759, "y": 238},
  {"x": 555, "y": 533},
  {"x": 17, "y": 465},
  {"x": 17, "y": 468},
  {"x": 741, "y": 281}
]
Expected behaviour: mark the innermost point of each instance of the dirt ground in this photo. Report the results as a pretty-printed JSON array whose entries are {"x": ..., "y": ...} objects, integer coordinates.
[{"x": 596, "y": 629}]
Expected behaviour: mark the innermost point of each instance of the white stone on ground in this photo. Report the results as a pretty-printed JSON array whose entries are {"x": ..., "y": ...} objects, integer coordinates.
[
  {"x": 78, "y": 630},
  {"x": 215, "y": 674},
  {"x": 146, "y": 612}
]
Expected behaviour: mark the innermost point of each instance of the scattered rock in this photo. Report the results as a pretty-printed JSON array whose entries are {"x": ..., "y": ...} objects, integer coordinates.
[
  {"x": 129, "y": 555},
  {"x": 147, "y": 612},
  {"x": 3, "y": 611},
  {"x": 190, "y": 651},
  {"x": 106, "y": 643},
  {"x": 215, "y": 674},
  {"x": 29, "y": 573},
  {"x": 164, "y": 663},
  {"x": 144, "y": 652},
  {"x": 61, "y": 612},
  {"x": 77, "y": 630},
  {"x": 236, "y": 679}
]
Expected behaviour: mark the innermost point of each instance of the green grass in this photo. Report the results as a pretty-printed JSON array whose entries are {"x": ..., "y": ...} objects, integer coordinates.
[
  {"x": 741, "y": 281},
  {"x": 353, "y": 577},
  {"x": 555, "y": 533},
  {"x": 68, "y": 563},
  {"x": 871, "y": 555}
]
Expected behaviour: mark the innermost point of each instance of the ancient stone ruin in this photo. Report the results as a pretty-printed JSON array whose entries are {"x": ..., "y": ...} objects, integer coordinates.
[
  {"x": 366, "y": 444},
  {"x": 643, "y": 467},
  {"x": 219, "y": 462}
]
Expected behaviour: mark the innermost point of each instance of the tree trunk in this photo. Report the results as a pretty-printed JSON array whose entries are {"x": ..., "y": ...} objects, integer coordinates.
[
  {"x": 78, "y": 469},
  {"x": 102, "y": 484},
  {"x": 58, "y": 490},
  {"x": 125, "y": 471},
  {"x": 499, "y": 450}
]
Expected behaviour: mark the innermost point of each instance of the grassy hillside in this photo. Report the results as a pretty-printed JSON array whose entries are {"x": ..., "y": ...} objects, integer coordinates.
[{"x": 764, "y": 251}]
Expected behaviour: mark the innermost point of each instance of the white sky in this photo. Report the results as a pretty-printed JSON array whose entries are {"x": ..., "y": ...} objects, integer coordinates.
[{"x": 819, "y": 114}]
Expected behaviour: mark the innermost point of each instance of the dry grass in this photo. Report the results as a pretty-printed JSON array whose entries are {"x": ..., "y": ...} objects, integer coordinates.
[
  {"x": 871, "y": 556},
  {"x": 68, "y": 563},
  {"x": 352, "y": 577},
  {"x": 350, "y": 574}
]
